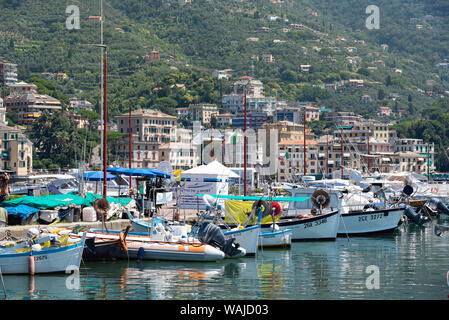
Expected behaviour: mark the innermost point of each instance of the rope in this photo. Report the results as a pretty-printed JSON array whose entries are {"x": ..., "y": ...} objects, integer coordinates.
[{"x": 346, "y": 231}]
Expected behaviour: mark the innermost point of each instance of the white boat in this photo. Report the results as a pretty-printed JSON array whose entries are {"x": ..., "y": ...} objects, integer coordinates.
[
  {"x": 275, "y": 238},
  {"x": 43, "y": 260},
  {"x": 307, "y": 224},
  {"x": 247, "y": 238},
  {"x": 365, "y": 222}
]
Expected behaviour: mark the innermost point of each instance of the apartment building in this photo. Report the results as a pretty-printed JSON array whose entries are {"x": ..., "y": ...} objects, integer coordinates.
[
  {"x": 202, "y": 112},
  {"x": 8, "y": 72},
  {"x": 150, "y": 129},
  {"x": 28, "y": 104},
  {"x": 291, "y": 161},
  {"x": 256, "y": 101}
]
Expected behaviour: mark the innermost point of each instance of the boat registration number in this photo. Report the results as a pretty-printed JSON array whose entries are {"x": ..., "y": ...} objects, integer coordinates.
[
  {"x": 374, "y": 216},
  {"x": 38, "y": 258},
  {"x": 314, "y": 224}
]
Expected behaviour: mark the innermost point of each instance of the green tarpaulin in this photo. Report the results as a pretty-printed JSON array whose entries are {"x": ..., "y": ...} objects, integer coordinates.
[{"x": 61, "y": 200}]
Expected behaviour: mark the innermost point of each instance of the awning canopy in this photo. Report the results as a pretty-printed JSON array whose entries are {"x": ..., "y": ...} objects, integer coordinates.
[{"x": 98, "y": 176}]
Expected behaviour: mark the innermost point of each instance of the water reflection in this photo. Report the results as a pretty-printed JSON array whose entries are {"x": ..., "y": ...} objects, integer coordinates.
[{"x": 413, "y": 263}]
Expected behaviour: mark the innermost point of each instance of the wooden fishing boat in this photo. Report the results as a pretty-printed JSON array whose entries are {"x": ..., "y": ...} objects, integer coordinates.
[
  {"x": 31, "y": 260},
  {"x": 98, "y": 249}
]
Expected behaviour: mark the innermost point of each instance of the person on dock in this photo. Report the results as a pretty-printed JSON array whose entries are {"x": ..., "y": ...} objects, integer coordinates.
[{"x": 4, "y": 186}]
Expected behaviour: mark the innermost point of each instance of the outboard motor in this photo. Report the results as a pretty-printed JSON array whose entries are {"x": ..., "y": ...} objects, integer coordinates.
[
  {"x": 415, "y": 217},
  {"x": 440, "y": 206},
  {"x": 211, "y": 234}
]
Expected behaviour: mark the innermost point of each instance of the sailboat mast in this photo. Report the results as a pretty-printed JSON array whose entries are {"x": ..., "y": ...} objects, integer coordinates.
[
  {"x": 304, "y": 148},
  {"x": 101, "y": 72},
  {"x": 341, "y": 143},
  {"x": 327, "y": 155},
  {"x": 130, "y": 148},
  {"x": 368, "y": 151},
  {"x": 105, "y": 115},
  {"x": 244, "y": 153}
]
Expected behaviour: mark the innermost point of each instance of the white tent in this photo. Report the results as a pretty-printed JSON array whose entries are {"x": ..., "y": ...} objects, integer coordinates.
[{"x": 205, "y": 179}]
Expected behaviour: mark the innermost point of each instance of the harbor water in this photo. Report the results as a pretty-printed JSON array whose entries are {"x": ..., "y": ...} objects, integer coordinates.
[{"x": 410, "y": 264}]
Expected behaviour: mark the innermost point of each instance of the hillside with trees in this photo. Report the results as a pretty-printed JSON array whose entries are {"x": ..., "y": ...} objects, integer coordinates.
[{"x": 401, "y": 63}]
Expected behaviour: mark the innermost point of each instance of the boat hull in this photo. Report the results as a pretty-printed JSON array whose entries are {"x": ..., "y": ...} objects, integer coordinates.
[
  {"x": 162, "y": 250},
  {"x": 45, "y": 261},
  {"x": 102, "y": 250},
  {"x": 173, "y": 252},
  {"x": 376, "y": 222},
  {"x": 275, "y": 239},
  {"x": 248, "y": 238},
  {"x": 322, "y": 227}
]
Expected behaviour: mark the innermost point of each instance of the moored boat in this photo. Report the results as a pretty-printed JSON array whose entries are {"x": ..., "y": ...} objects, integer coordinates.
[
  {"x": 140, "y": 246},
  {"x": 275, "y": 238},
  {"x": 41, "y": 259},
  {"x": 382, "y": 221}
]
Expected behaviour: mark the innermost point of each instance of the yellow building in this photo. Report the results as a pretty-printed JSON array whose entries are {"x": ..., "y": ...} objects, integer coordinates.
[{"x": 16, "y": 151}]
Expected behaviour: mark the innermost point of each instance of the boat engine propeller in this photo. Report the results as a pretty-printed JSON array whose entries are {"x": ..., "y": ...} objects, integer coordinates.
[
  {"x": 440, "y": 205},
  {"x": 417, "y": 218},
  {"x": 211, "y": 234}
]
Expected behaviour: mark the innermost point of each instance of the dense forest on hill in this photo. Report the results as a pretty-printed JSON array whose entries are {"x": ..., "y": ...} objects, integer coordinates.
[{"x": 198, "y": 37}]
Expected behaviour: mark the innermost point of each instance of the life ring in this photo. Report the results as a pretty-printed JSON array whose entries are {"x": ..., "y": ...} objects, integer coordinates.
[
  {"x": 277, "y": 208},
  {"x": 123, "y": 242},
  {"x": 434, "y": 190},
  {"x": 265, "y": 207},
  {"x": 320, "y": 199}
]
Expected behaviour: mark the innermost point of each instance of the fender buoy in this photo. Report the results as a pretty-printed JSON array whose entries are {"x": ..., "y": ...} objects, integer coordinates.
[
  {"x": 31, "y": 265},
  {"x": 277, "y": 207},
  {"x": 264, "y": 204},
  {"x": 123, "y": 242}
]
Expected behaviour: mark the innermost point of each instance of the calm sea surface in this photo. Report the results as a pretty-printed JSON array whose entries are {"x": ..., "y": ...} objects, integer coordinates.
[{"x": 411, "y": 264}]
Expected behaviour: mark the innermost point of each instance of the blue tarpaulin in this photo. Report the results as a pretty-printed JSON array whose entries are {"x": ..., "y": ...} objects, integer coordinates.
[{"x": 21, "y": 211}]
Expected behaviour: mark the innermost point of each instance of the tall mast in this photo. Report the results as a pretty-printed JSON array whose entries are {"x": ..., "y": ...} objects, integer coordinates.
[
  {"x": 130, "y": 142},
  {"x": 105, "y": 121},
  {"x": 101, "y": 73},
  {"x": 341, "y": 143},
  {"x": 327, "y": 155},
  {"x": 305, "y": 161},
  {"x": 244, "y": 153},
  {"x": 368, "y": 150}
]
